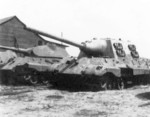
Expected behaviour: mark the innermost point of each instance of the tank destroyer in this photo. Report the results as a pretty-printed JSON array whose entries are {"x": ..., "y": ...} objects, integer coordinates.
[{"x": 102, "y": 63}]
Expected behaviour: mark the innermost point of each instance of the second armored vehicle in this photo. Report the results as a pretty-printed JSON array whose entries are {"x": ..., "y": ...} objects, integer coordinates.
[{"x": 38, "y": 58}]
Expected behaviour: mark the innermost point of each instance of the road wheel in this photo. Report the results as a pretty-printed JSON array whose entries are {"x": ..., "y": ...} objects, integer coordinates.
[
  {"x": 27, "y": 77},
  {"x": 34, "y": 80},
  {"x": 120, "y": 84},
  {"x": 104, "y": 84}
]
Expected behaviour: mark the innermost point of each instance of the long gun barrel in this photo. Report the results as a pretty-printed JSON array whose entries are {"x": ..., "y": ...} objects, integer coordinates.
[
  {"x": 32, "y": 52},
  {"x": 56, "y": 38},
  {"x": 94, "y": 48},
  {"x": 19, "y": 50}
]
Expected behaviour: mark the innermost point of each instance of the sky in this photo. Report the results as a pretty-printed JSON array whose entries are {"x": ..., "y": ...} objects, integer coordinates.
[{"x": 81, "y": 20}]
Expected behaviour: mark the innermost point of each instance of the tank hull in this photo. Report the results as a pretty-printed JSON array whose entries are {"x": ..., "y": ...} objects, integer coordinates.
[{"x": 99, "y": 71}]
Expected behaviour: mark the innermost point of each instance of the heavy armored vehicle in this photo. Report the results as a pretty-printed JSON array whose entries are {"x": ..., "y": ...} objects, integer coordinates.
[
  {"x": 37, "y": 58},
  {"x": 102, "y": 63}
]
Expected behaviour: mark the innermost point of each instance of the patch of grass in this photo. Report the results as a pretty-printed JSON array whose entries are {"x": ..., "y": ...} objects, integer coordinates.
[
  {"x": 28, "y": 109},
  {"x": 90, "y": 113},
  {"x": 54, "y": 97}
]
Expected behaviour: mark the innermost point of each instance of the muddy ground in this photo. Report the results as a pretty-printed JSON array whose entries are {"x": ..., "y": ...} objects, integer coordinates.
[{"x": 40, "y": 101}]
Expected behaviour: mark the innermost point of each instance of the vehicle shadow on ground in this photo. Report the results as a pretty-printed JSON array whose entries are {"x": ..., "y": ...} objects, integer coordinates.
[
  {"x": 144, "y": 96},
  {"x": 76, "y": 88},
  {"x": 6, "y": 93}
]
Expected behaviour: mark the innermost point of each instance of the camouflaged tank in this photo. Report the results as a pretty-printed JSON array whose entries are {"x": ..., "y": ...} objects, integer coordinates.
[
  {"x": 102, "y": 63},
  {"x": 30, "y": 62}
]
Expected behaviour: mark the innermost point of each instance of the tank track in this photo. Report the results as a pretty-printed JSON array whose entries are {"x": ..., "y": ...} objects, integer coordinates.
[
  {"x": 74, "y": 82},
  {"x": 93, "y": 83}
]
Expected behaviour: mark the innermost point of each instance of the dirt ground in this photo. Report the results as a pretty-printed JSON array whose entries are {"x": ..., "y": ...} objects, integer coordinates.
[{"x": 39, "y": 101}]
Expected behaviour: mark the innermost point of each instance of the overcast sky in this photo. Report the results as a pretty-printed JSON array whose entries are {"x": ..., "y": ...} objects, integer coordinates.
[{"x": 81, "y": 20}]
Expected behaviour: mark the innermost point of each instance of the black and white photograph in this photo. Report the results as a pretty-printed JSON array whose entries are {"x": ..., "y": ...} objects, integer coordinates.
[{"x": 74, "y": 58}]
